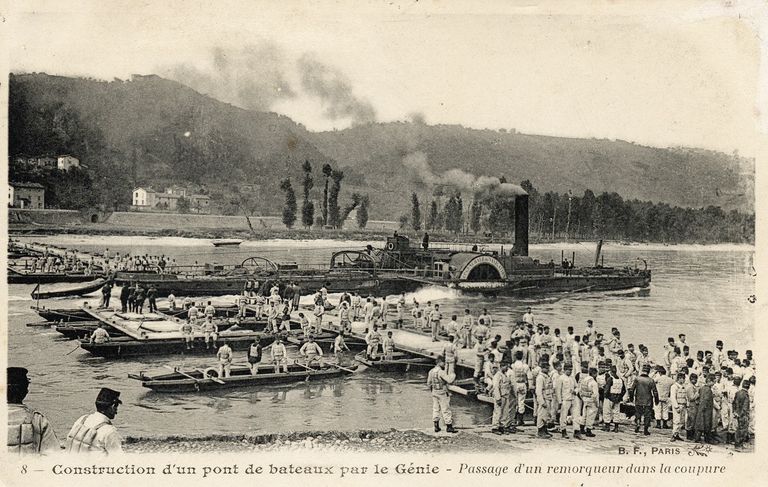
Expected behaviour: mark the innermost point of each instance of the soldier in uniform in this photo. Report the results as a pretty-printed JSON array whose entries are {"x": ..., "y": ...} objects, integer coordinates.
[
  {"x": 678, "y": 400},
  {"x": 279, "y": 355},
  {"x": 373, "y": 339},
  {"x": 646, "y": 395},
  {"x": 28, "y": 430},
  {"x": 225, "y": 360},
  {"x": 692, "y": 391},
  {"x": 544, "y": 398},
  {"x": 663, "y": 386},
  {"x": 437, "y": 380},
  {"x": 502, "y": 397},
  {"x": 523, "y": 379},
  {"x": 450, "y": 354},
  {"x": 589, "y": 394},
  {"x": 741, "y": 407},
  {"x": 613, "y": 393},
  {"x": 311, "y": 351},
  {"x": 94, "y": 432},
  {"x": 565, "y": 393}
]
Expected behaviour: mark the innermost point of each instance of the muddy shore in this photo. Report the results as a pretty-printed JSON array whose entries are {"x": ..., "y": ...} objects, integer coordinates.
[{"x": 473, "y": 438}]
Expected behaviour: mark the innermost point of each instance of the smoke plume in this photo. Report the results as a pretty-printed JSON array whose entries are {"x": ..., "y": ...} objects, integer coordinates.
[
  {"x": 334, "y": 89},
  {"x": 464, "y": 182},
  {"x": 252, "y": 77}
]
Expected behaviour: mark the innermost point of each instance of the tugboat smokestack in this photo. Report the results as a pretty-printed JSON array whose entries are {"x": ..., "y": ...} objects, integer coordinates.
[{"x": 521, "y": 225}]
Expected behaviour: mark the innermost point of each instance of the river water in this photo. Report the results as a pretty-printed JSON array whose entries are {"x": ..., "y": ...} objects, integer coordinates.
[{"x": 701, "y": 291}]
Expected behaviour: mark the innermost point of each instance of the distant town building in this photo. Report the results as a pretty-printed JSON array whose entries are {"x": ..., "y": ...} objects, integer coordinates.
[
  {"x": 63, "y": 162},
  {"x": 145, "y": 199},
  {"x": 40, "y": 161},
  {"x": 66, "y": 162},
  {"x": 26, "y": 195}
]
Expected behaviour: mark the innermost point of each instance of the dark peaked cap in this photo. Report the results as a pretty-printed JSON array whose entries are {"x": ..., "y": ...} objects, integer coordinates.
[
  {"x": 108, "y": 396},
  {"x": 17, "y": 376}
]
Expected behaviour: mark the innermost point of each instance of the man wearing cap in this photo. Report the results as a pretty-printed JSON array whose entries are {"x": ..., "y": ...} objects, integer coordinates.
[
  {"x": 544, "y": 397},
  {"x": 589, "y": 393},
  {"x": 663, "y": 386},
  {"x": 28, "y": 430},
  {"x": 692, "y": 391},
  {"x": 373, "y": 339},
  {"x": 502, "y": 398},
  {"x": 224, "y": 354},
  {"x": 718, "y": 357},
  {"x": 646, "y": 396},
  {"x": 704, "y": 412},
  {"x": 311, "y": 351},
  {"x": 100, "y": 335},
  {"x": 678, "y": 399},
  {"x": 613, "y": 392},
  {"x": 279, "y": 355},
  {"x": 437, "y": 380},
  {"x": 565, "y": 393},
  {"x": 94, "y": 432},
  {"x": 741, "y": 406},
  {"x": 523, "y": 379},
  {"x": 254, "y": 355}
]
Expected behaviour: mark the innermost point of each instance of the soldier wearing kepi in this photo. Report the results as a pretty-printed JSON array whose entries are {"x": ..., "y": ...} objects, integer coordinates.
[
  {"x": 28, "y": 430},
  {"x": 94, "y": 432},
  {"x": 437, "y": 380},
  {"x": 544, "y": 397},
  {"x": 678, "y": 400},
  {"x": 502, "y": 399},
  {"x": 646, "y": 396},
  {"x": 565, "y": 393},
  {"x": 589, "y": 393},
  {"x": 523, "y": 378}
]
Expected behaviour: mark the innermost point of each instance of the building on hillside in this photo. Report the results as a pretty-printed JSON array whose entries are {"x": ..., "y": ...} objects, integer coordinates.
[
  {"x": 145, "y": 199},
  {"x": 39, "y": 161},
  {"x": 66, "y": 162},
  {"x": 29, "y": 196}
]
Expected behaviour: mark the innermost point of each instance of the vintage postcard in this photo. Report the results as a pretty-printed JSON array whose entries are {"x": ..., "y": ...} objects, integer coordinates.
[{"x": 335, "y": 242}]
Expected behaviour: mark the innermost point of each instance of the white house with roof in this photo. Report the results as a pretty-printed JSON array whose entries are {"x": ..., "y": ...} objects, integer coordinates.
[{"x": 66, "y": 162}]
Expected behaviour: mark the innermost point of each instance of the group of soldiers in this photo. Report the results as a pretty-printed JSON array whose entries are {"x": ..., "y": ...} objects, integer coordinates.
[
  {"x": 30, "y": 432},
  {"x": 583, "y": 381}
]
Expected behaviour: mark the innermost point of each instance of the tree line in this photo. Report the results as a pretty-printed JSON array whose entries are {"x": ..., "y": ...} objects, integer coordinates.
[
  {"x": 566, "y": 216},
  {"x": 331, "y": 213}
]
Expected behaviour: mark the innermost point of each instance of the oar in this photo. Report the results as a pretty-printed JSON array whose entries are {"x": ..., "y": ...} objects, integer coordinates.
[
  {"x": 351, "y": 371},
  {"x": 78, "y": 346},
  {"x": 214, "y": 379},
  {"x": 306, "y": 367},
  {"x": 191, "y": 377}
]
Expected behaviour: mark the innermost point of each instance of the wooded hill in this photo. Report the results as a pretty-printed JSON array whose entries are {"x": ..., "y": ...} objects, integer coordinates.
[{"x": 151, "y": 131}]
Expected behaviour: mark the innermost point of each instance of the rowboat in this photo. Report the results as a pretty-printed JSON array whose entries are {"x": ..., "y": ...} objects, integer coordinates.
[
  {"x": 84, "y": 329},
  {"x": 198, "y": 380},
  {"x": 226, "y": 242},
  {"x": 16, "y": 276},
  {"x": 467, "y": 388},
  {"x": 82, "y": 290},
  {"x": 156, "y": 334},
  {"x": 120, "y": 347},
  {"x": 399, "y": 361},
  {"x": 77, "y": 314}
]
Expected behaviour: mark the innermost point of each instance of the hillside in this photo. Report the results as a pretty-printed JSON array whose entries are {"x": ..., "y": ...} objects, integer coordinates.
[{"x": 152, "y": 131}]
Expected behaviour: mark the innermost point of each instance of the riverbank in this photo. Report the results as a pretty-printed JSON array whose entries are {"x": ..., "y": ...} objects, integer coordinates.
[
  {"x": 474, "y": 439},
  {"x": 361, "y": 235}
]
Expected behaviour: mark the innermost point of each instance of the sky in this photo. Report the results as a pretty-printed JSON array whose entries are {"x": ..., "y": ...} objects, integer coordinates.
[{"x": 656, "y": 73}]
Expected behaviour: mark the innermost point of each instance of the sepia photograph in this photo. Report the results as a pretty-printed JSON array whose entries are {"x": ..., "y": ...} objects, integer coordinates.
[{"x": 503, "y": 230}]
